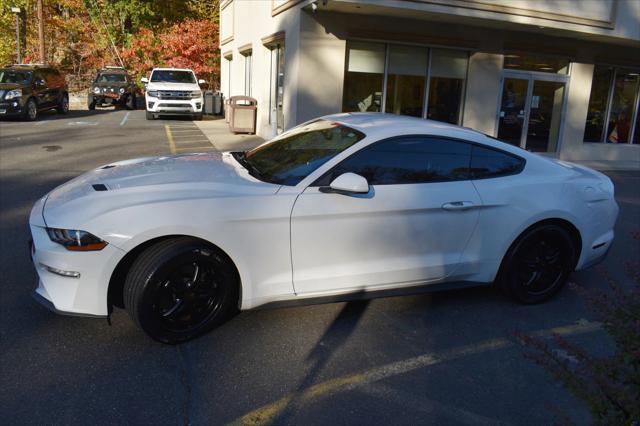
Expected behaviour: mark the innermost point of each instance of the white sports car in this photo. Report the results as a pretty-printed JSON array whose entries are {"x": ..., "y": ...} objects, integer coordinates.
[{"x": 346, "y": 205}]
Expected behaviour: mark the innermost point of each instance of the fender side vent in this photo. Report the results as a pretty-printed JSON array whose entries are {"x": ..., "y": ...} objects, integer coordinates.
[
  {"x": 109, "y": 166},
  {"x": 100, "y": 187}
]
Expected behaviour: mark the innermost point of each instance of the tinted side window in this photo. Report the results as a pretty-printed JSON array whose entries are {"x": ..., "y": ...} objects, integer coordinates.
[
  {"x": 488, "y": 163},
  {"x": 406, "y": 160}
]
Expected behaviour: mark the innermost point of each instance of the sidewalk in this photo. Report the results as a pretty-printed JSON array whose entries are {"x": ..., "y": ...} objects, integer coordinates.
[{"x": 217, "y": 131}]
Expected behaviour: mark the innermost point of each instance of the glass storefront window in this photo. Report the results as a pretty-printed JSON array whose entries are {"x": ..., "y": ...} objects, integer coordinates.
[
  {"x": 597, "y": 112},
  {"x": 406, "y": 70},
  {"x": 406, "y": 79},
  {"x": 364, "y": 77},
  {"x": 612, "y": 106},
  {"x": 446, "y": 86},
  {"x": 625, "y": 91},
  {"x": 521, "y": 62}
]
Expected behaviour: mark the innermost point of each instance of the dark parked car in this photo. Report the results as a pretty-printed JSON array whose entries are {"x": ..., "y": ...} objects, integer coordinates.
[
  {"x": 26, "y": 90},
  {"x": 112, "y": 86}
]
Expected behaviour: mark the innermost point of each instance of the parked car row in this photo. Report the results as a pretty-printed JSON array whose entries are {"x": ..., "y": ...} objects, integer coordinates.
[{"x": 28, "y": 89}]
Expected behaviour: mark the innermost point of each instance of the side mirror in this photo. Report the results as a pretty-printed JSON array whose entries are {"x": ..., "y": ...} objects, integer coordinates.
[
  {"x": 347, "y": 184},
  {"x": 144, "y": 80},
  {"x": 201, "y": 81}
]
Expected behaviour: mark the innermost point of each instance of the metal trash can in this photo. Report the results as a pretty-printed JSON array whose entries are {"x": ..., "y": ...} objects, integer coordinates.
[
  {"x": 208, "y": 102},
  {"x": 242, "y": 117},
  {"x": 217, "y": 103}
]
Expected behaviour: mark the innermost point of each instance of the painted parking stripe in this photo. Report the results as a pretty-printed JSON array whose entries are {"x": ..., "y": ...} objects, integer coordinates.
[
  {"x": 125, "y": 118},
  {"x": 267, "y": 413},
  {"x": 172, "y": 144}
]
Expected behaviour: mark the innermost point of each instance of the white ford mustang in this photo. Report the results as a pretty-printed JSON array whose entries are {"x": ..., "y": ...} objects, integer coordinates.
[{"x": 348, "y": 204}]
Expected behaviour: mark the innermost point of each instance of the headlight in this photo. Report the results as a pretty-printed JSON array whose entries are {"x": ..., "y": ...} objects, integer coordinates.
[
  {"x": 121, "y": 90},
  {"x": 12, "y": 94},
  {"x": 196, "y": 94},
  {"x": 96, "y": 90},
  {"x": 152, "y": 93},
  {"x": 76, "y": 240}
]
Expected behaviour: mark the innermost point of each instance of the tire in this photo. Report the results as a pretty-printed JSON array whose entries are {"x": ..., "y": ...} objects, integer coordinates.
[
  {"x": 131, "y": 102},
  {"x": 150, "y": 116},
  {"x": 197, "y": 117},
  {"x": 179, "y": 289},
  {"x": 63, "y": 105},
  {"x": 31, "y": 110},
  {"x": 91, "y": 106},
  {"x": 538, "y": 264}
]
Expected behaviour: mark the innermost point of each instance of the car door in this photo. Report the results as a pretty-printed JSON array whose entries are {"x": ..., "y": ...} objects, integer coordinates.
[
  {"x": 40, "y": 89},
  {"x": 412, "y": 226}
]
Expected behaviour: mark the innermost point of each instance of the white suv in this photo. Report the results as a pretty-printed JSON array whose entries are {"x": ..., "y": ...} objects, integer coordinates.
[{"x": 173, "y": 91}]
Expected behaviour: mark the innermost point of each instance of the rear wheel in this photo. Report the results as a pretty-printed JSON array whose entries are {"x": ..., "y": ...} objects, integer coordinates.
[
  {"x": 179, "y": 289},
  {"x": 538, "y": 264},
  {"x": 63, "y": 104},
  {"x": 150, "y": 115}
]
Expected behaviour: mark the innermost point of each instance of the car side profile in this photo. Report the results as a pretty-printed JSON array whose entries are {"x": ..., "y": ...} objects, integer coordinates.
[
  {"x": 28, "y": 89},
  {"x": 173, "y": 91},
  {"x": 349, "y": 204}
]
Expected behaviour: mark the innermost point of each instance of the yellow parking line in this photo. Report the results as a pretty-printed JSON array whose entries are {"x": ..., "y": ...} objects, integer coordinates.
[
  {"x": 172, "y": 145},
  {"x": 267, "y": 413}
]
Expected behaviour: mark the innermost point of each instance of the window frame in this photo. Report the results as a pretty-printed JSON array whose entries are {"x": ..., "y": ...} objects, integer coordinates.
[{"x": 318, "y": 182}]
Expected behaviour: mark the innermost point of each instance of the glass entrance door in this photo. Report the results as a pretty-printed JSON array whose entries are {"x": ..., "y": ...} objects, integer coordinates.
[{"x": 531, "y": 111}]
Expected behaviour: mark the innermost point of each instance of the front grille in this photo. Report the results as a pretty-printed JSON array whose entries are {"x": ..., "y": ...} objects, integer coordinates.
[
  {"x": 174, "y": 105},
  {"x": 174, "y": 95}
]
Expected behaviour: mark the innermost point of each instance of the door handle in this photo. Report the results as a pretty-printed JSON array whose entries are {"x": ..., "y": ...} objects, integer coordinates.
[{"x": 458, "y": 205}]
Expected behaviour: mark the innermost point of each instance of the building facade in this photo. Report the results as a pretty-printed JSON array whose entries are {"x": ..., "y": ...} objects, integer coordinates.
[{"x": 559, "y": 77}]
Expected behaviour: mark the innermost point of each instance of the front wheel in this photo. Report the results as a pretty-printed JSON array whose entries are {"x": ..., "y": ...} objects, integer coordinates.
[
  {"x": 538, "y": 264},
  {"x": 179, "y": 289},
  {"x": 197, "y": 117},
  {"x": 131, "y": 102},
  {"x": 31, "y": 110},
  {"x": 150, "y": 116}
]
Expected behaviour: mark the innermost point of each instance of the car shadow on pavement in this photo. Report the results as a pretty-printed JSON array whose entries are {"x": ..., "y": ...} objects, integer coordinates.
[{"x": 334, "y": 337}]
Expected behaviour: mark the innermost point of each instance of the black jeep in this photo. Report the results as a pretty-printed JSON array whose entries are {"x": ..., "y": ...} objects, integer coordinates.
[
  {"x": 27, "y": 89},
  {"x": 112, "y": 86}
]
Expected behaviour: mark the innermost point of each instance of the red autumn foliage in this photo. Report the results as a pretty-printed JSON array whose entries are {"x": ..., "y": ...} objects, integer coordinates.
[{"x": 189, "y": 44}]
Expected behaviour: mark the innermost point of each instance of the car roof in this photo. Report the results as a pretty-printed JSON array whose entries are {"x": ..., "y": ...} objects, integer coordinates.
[
  {"x": 26, "y": 67},
  {"x": 112, "y": 71},
  {"x": 172, "y": 69},
  {"x": 368, "y": 121}
]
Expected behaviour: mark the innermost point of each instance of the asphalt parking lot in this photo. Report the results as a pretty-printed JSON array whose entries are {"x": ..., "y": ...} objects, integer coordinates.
[{"x": 439, "y": 358}]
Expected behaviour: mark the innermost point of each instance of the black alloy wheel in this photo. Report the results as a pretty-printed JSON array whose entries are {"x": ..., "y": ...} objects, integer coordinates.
[
  {"x": 179, "y": 289},
  {"x": 538, "y": 264}
]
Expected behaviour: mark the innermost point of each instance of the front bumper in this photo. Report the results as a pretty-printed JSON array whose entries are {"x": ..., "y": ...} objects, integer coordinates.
[
  {"x": 109, "y": 100},
  {"x": 85, "y": 295},
  {"x": 11, "y": 108},
  {"x": 174, "y": 107}
]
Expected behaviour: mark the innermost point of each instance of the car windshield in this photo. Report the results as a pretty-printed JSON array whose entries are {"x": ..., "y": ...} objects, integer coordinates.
[
  {"x": 12, "y": 76},
  {"x": 295, "y": 154},
  {"x": 173, "y": 76},
  {"x": 111, "y": 78}
]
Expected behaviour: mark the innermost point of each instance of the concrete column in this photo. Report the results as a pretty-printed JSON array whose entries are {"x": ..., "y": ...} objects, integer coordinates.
[
  {"x": 576, "y": 111},
  {"x": 483, "y": 89}
]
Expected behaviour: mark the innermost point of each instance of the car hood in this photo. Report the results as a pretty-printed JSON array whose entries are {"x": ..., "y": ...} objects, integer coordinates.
[
  {"x": 10, "y": 86},
  {"x": 172, "y": 86},
  {"x": 150, "y": 180}
]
